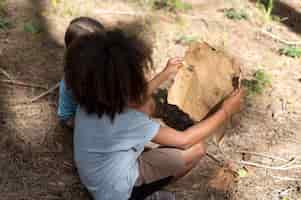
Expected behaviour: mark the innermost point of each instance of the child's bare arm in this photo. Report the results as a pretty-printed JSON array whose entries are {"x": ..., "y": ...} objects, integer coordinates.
[
  {"x": 171, "y": 68},
  {"x": 200, "y": 131}
]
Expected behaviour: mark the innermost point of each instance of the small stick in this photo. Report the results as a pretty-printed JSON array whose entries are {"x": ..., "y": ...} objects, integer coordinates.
[
  {"x": 5, "y": 73},
  {"x": 220, "y": 164},
  {"x": 56, "y": 86},
  {"x": 215, "y": 159},
  {"x": 263, "y": 155},
  {"x": 20, "y": 83},
  {"x": 279, "y": 39},
  {"x": 282, "y": 167},
  {"x": 290, "y": 163},
  {"x": 284, "y": 178}
]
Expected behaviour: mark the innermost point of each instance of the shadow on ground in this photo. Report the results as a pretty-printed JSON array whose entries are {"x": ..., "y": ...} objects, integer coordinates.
[
  {"x": 35, "y": 152},
  {"x": 290, "y": 15},
  {"x": 293, "y": 16}
]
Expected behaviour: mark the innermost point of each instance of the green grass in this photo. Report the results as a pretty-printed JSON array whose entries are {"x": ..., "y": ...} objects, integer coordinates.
[
  {"x": 4, "y": 24},
  {"x": 257, "y": 83},
  {"x": 290, "y": 51},
  {"x": 266, "y": 6},
  {"x": 170, "y": 5},
  {"x": 234, "y": 14},
  {"x": 33, "y": 27}
]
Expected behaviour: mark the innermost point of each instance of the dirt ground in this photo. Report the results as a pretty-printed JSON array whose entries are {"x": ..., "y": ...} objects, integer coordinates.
[{"x": 36, "y": 153}]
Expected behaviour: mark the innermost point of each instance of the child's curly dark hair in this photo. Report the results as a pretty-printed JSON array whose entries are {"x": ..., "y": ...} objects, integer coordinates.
[{"x": 106, "y": 72}]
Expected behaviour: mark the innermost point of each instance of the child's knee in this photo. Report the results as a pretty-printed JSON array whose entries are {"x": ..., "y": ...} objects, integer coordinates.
[
  {"x": 194, "y": 153},
  {"x": 202, "y": 150}
]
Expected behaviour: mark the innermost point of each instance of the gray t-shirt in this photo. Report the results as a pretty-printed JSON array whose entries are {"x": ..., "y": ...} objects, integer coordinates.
[{"x": 106, "y": 152}]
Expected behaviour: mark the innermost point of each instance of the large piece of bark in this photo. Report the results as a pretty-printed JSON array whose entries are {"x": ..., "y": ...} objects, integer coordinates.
[{"x": 206, "y": 79}]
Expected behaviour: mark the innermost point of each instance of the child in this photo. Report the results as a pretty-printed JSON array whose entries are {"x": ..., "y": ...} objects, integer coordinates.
[
  {"x": 106, "y": 76},
  {"x": 77, "y": 27}
]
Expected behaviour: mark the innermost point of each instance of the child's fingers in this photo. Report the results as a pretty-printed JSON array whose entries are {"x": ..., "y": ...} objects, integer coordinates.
[
  {"x": 176, "y": 63},
  {"x": 179, "y": 65},
  {"x": 234, "y": 93},
  {"x": 176, "y": 60}
]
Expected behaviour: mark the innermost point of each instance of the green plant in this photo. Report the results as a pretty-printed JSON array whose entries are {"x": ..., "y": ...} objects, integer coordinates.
[
  {"x": 187, "y": 39},
  {"x": 234, "y": 14},
  {"x": 266, "y": 6},
  {"x": 33, "y": 27},
  {"x": 242, "y": 173},
  {"x": 257, "y": 83},
  {"x": 4, "y": 24},
  {"x": 171, "y": 5},
  {"x": 291, "y": 51}
]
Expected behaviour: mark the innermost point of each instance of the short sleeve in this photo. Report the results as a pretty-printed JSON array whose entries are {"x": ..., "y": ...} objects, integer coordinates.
[
  {"x": 141, "y": 129},
  {"x": 67, "y": 105},
  {"x": 149, "y": 128}
]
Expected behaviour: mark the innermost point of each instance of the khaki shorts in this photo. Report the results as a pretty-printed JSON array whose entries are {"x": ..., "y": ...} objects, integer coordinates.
[{"x": 159, "y": 163}]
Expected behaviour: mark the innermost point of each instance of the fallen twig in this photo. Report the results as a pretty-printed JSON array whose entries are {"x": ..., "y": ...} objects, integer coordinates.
[
  {"x": 263, "y": 155},
  {"x": 290, "y": 163},
  {"x": 20, "y": 83},
  {"x": 221, "y": 164},
  {"x": 275, "y": 37},
  {"x": 215, "y": 159},
  {"x": 56, "y": 86},
  {"x": 284, "y": 178},
  {"x": 5, "y": 73},
  {"x": 286, "y": 166}
]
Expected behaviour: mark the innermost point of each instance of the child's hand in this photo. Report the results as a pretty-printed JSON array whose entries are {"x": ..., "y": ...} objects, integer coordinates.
[
  {"x": 233, "y": 103},
  {"x": 173, "y": 65}
]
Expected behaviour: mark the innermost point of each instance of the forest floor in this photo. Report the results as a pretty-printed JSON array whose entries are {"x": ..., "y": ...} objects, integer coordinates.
[{"x": 36, "y": 160}]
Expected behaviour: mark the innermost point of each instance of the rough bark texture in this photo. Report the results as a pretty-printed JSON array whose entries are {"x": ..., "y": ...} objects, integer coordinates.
[{"x": 208, "y": 77}]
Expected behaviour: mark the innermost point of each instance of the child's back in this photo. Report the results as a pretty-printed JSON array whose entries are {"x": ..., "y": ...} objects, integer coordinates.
[{"x": 106, "y": 74}]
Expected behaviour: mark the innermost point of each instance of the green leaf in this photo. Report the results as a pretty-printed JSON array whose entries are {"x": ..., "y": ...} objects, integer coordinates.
[
  {"x": 234, "y": 14},
  {"x": 291, "y": 51},
  {"x": 32, "y": 27},
  {"x": 257, "y": 84},
  {"x": 171, "y": 5},
  {"x": 242, "y": 173}
]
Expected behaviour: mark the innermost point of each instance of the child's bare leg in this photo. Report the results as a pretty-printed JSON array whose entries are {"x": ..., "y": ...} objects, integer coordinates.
[{"x": 160, "y": 163}]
